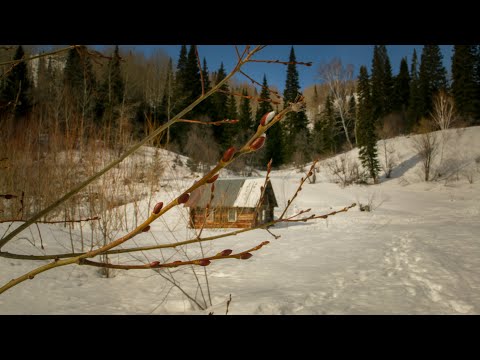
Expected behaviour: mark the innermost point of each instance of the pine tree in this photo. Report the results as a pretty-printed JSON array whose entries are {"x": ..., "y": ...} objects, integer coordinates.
[
  {"x": 352, "y": 115},
  {"x": 366, "y": 132},
  {"x": 388, "y": 86},
  {"x": 166, "y": 112},
  {"x": 79, "y": 80},
  {"x": 117, "y": 85},
  {"x": 364, "y": 107},
  {"x": 220, "y": 98},
  {"x": 232, "y": 112},
  {"x": 295, "y": 122},
  {"x": 274, "y": 141},
  {"x": 181, "y": 68},
  {"x": 206, "y": 76},
  {"x": 16, "y": 90},
  {"x": 245, "y": 116},
  {"x": 230, "y": 131},
  {"x": 111, "y": 91},
  {"x": 464, "y": 86},
  {"x": 264, "y": 106},
  {"x": 325, "y": 135},
  {"x": 219, "y": 111},
  {"x": 402, "y": 88},
  {"x": 42, "y": 83},
  {"x": 188, "y": 89},
  {"x": 193, "y": 83},
  {"x": 204, "y": 108},
  {"x": 432, "y": 77},
  {"x": 382, "y": 83},
  {"x": 414, "y": 102},
  {"x": 180, "y": 80},
  {"x": 378, "y": 70}
]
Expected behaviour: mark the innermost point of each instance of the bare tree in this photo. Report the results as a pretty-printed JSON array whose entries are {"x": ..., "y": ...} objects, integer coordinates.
[
  {"x": 426, "y": 145},
  {"x": 201, "y": 148},
  {"x": 443, "y": 115},
  {"x": 387, "y": 150},
  {"x": 443, "y": 110},
  {"x": 338, "y": 77}
]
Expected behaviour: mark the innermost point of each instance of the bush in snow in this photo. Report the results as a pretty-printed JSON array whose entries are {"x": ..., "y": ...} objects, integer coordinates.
[{"x": 346, "y": 171}]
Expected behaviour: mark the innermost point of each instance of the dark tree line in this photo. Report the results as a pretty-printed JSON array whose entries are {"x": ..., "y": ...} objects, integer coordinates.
[{"x": 398, "y": 102}]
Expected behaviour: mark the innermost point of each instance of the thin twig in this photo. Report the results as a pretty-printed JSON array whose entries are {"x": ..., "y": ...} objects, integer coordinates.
[
  {"x": 216, "y": 123},
  {"x": 302, "y": 181},
  {"x": 275, "y": 236},
  {"x": 228, "y": 304},
  {"x": 263, "y": 190},
  {"x": 174, "y": 283},
  {"x": 309, "y": 63},
  {"x": 257, "y": 99},
  {"x": 238, "y": 53},
  {"x": 255, "y": 82},
  {"x": 212, "y": 189},
  {"x": 40, "y": 235},
  {"x": 54, "y": 222}
]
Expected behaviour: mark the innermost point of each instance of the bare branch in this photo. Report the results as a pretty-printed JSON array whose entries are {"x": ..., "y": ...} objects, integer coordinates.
[
  {"x": 54, "y": 222},
  {"x": 257, "y": 83},
  {"x": 299, "y": 188},
  {"x": 156, "y": 264},
  {"x": 216, "y": 123},
  {"x": 283, "y": 62}
]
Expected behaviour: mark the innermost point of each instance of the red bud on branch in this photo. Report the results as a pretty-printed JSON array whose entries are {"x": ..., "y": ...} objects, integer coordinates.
[
  {"x": 267, "y": 118},
  {"x": 245, "y": 256},
  {"x": 225, "y": 252},
  {"x": 155, "y": 263},
  {"x": 158, "y": 207},
  {"x": 182, "y": 199},
  {"x": 146, "y": 228},
  {"x": 258, "y": 142},
  {"x": 212, "y": 179},
  {"x": 203, "y": 262},
  {"x": 227, "y": 156}
]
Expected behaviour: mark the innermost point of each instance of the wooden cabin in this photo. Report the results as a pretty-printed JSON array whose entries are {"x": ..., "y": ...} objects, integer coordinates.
[{"x": 234, "y": 205}]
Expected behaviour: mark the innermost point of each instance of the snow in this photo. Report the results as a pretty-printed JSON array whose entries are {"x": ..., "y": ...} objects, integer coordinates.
[{"x": 417, "y": 252}]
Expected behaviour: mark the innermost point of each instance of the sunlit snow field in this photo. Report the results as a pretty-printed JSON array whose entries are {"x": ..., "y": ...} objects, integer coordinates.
[{"x": 417, "y": 252}]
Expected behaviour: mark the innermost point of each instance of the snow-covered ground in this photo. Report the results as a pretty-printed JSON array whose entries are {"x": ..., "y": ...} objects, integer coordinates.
[{"x": 417, "y": 252}]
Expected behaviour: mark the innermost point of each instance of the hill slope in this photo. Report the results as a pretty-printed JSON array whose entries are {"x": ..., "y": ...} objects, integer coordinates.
[{"x": 417, "y": 252}]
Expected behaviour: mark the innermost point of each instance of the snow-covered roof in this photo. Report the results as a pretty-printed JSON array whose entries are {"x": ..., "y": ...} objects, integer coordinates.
[
  {"x": 249, "y": 193},
  {"x": 232, "y": 193}
]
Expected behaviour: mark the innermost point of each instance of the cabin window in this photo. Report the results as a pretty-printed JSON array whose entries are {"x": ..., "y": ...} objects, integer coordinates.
[
  {"x": 211, "y": 216},
  {"x": 232, "y": 215},
  {"x": 264, "y": 215}
]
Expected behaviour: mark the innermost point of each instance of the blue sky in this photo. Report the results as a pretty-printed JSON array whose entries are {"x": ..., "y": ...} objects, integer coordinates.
[{"x": 276, "y": 74}]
